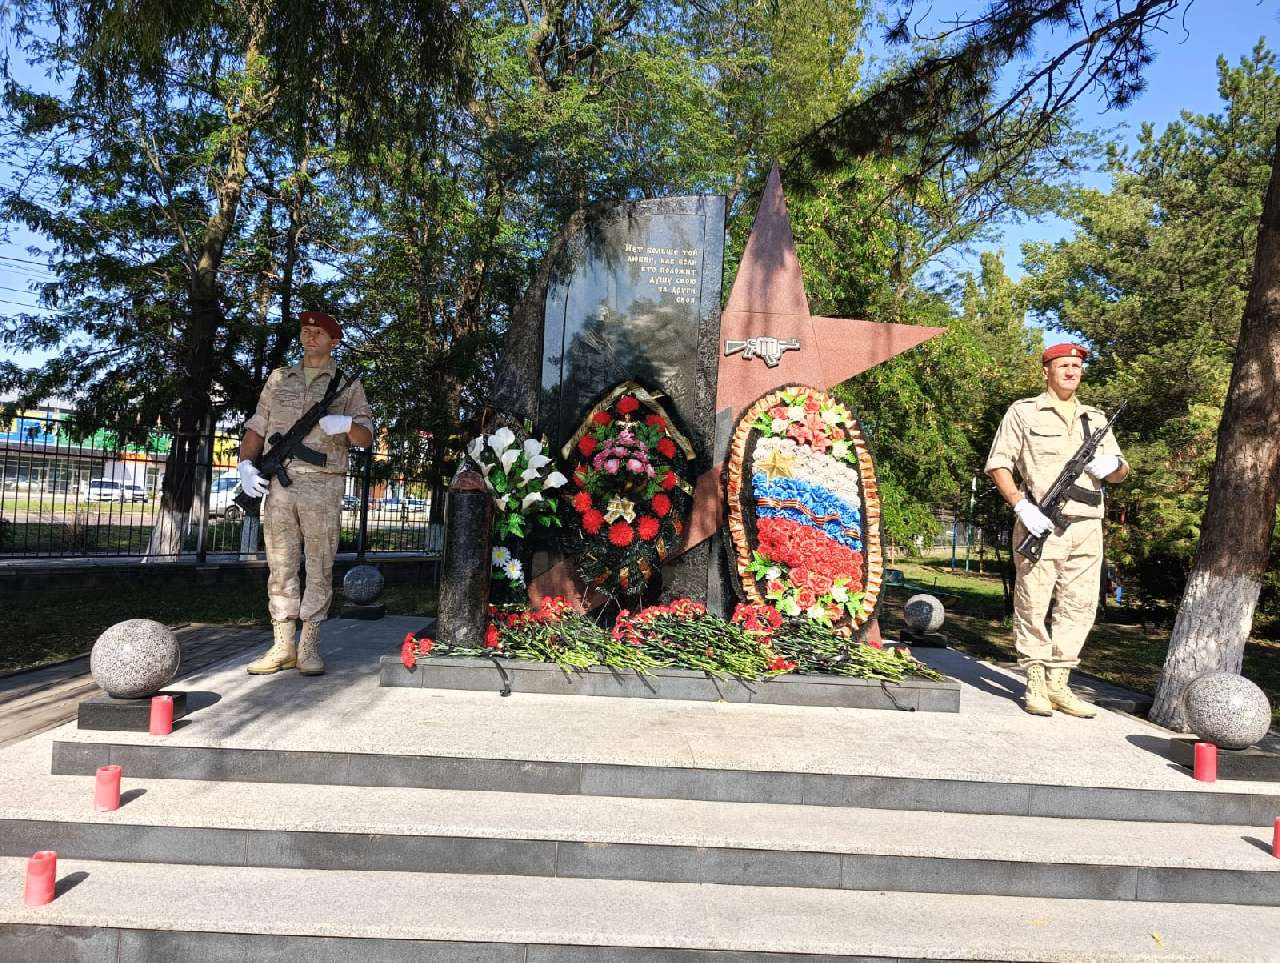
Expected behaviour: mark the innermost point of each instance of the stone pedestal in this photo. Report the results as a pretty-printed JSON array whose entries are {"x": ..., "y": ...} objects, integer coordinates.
[
  {"x": 1253, "y": 764},
  {"x": 464, "y": 581},
  {"x": 101, "y": 711}
]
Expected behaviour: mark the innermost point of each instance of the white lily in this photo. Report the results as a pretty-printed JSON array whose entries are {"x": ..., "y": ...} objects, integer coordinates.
[
  {"x": 502, "y": 502},
  {"x": 529, "y": 474},
  {"x": 554, "y": 480},
  {"x": 532, "y": 446},
  {"x": 529, "y": 499},
  {"x": 508, "y": 458},
  {"x": 501, "y": 440},
  {"x": 476, "y": 448},
  {"x": 539, "y": 461}
]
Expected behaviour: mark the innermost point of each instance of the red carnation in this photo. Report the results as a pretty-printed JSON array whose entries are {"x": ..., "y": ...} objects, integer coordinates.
[
  {"x": 407, "y": 654},
  {"x": 424, "y": 646},
  {"x": 666, "y": 448},
  {"x": 806, "y": 598},
  {"x": 627, "y": 404},
  {"x": 661, "y": 505},
  {"x": 668, "y": 481},
  {"x": 656, "y": 421},
  {"x": 592, "y": 519},
  {"x": 602, "y": 418},
  {"x": 648, "y": 527},
  {"x": 620, "y": 534},
  {"x": 582, "y": 501},
  {"x": 587, "y": 444},
  {"x": 580, "y": 475},
  {"x": 491, "y": 637}
]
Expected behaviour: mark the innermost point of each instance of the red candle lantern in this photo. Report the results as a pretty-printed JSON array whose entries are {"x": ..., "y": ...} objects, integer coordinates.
[
  {"x": 1206, "y": 768},
  {"x": 161, "y": 715},
  {"x": 106, "y": 789},
  {"x": 42, "y": 868}
]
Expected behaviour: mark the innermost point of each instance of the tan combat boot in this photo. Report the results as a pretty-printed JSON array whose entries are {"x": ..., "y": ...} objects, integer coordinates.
[
  {"x": 1063, "y": 699},
  {"x": 281, "y": 655},
  {"x": 1036, "y": 701},
  {"x": 309, "y": 661}
]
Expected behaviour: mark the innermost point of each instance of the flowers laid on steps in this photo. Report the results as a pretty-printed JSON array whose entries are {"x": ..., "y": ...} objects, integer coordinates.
[
  {"x": 756, "y": 643},
  {"x": 629, "y": 466},
  {"x": 804, "y": 510},
  {"x": 521, "y": 478}
]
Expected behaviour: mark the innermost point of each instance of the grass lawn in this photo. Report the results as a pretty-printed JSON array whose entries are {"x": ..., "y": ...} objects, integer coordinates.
[
  {"x": 1120, "y": 649},
  {"x": 53, "y": 626}
]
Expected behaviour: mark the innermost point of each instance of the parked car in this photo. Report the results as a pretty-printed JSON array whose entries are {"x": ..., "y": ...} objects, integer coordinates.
[
  {"x": 136, "y": 493},
  {"x": 350, "y": 503},
  {"x": 106, "y": 490},
  {"x": 416, "y": 505},
  {"x": 222, "y": 495}
]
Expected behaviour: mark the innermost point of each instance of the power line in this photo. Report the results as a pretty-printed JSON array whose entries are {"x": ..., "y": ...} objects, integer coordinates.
[
  {"x": 23, "y": 304},
  {"x": 23, "y": 260}
]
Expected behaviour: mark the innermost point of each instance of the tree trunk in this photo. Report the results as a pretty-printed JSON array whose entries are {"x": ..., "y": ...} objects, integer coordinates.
[
  {"x": 198, "y": 357},
  {"x": 1216, "y": 614}
]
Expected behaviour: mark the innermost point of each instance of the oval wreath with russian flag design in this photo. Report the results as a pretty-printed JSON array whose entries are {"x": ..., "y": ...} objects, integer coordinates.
[
  {"x": 629, "y": 463},
  {"x": 804, "y": 509}
]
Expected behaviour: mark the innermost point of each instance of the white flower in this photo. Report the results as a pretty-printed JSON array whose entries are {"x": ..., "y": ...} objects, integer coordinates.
[
  {"x": 789, "y": 606},
  {"x": 796, "y": 413},
  {"x": 830, "y": 416},
  {"x": 513, "y": 570},
  {"x": 529, "y": 474},
  {"x": 839, "y": 594},
  {"x": 554, "y": 480},
  {"x": 840, "y": 449},
  {"x": 815, "y": 612},
  {"x": 508, "y": 458},
  {"x": 780, "y": 425},
  {"x": 476, "y": 448},
  {"x": 529, "y": 499},
  {"x": 501, "y": 440},
  {"x": 539, "y": 461},
  {"x": 502, "y": 503},
  {"x": 773, "y": 573},
  {"x": 501, "y": 555},
  {"x": 532, "y": 447}
]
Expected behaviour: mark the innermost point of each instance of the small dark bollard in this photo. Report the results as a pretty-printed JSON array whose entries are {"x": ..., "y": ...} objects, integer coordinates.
[{"x": 464, "y": 584}]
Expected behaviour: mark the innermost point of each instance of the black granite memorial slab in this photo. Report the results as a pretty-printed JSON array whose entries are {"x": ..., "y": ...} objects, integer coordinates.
[
  {"x": 366, "y": 613},
  {"x": 103, "y": 712}
]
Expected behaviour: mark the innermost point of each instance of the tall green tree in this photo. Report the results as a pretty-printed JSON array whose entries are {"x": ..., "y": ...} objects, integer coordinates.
[{"x": 180, "y": 156}]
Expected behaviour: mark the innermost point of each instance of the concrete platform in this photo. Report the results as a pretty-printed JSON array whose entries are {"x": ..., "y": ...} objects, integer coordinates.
[
  {"x": 127, "y": 911},
  {"x": 334, "y": 827},
  {"x": 343, "y": 728}
]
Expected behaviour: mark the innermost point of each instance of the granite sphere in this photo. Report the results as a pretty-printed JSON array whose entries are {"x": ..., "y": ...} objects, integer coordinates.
[
  {"x": 362, "y": 584},
  {"x": 135, "y": 659},
  {"x": 923, "y": 613},
  {"x": 1226, "y": 709}
]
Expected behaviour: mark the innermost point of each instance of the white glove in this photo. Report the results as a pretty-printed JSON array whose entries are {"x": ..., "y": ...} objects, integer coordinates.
[
  {"x": 1033, "y": 520},
  {"x": 1102, "y": 466},
  {"x": 251, "y": 481},
  {"x": 335, "y": 424}
]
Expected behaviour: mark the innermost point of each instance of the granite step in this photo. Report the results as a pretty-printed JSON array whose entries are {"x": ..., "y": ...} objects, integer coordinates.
[
  {"x": 670, "y": 840},
  {"x": 163, "y": 760},
  {"x": 116, "y": 911}
]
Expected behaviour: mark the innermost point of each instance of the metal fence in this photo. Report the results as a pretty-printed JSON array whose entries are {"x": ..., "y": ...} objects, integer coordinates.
[{"x": 80, "y": 497}]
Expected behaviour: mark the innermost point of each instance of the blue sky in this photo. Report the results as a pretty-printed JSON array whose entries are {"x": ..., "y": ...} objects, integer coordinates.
[{"x": 1183, "y": 77}]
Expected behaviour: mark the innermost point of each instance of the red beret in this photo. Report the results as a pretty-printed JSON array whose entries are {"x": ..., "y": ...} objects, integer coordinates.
[
  {"x": 1064, "y": 350},
  {"x": 321, "y": 320}
]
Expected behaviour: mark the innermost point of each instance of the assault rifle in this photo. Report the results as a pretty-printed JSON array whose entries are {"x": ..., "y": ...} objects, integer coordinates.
[
  {"x": 770, "y": 349},
  {"x": 1064, "y": 488},
  {"x": 288, "y": 446}
]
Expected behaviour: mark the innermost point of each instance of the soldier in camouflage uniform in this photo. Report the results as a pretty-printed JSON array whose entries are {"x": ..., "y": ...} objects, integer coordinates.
[
  {"x": 1037, "y": 438},
  {"x": 303, "y": 520}
]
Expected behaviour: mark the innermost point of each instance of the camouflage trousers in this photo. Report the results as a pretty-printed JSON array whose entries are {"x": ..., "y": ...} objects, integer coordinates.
[
  {"x": 1070, "y": 572},
  {"x": 302, "y": 522}
]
